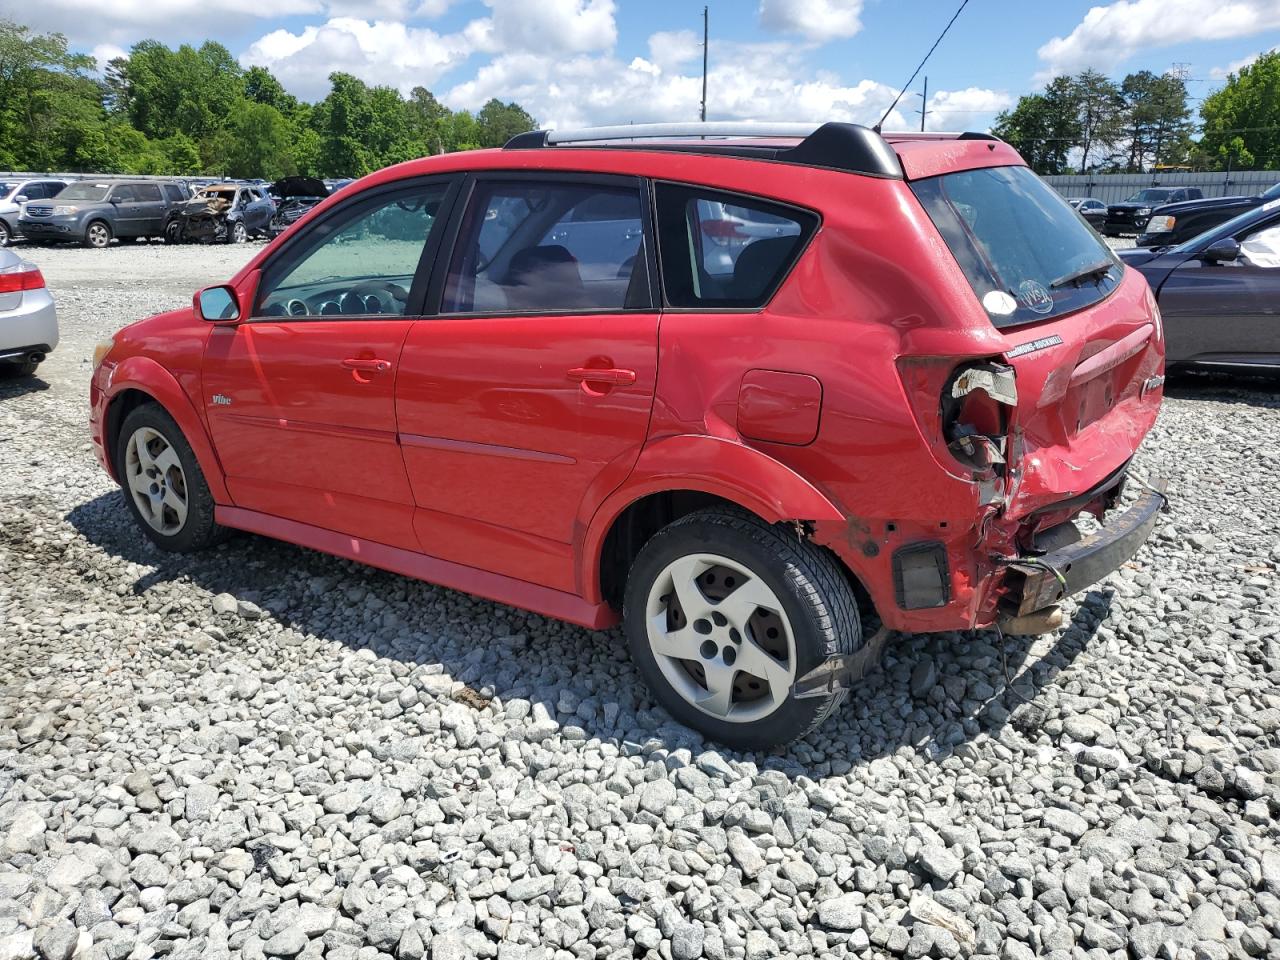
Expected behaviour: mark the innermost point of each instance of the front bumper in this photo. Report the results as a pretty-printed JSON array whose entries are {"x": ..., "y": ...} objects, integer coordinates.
[
  {"x": 51, "y": 228},
  {"x": 1112, "y": 227},
  {"x": 1048, "y": 578}
]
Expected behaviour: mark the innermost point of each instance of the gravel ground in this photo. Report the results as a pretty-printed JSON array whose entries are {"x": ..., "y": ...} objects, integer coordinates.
[{"x": 263, "y": 751}]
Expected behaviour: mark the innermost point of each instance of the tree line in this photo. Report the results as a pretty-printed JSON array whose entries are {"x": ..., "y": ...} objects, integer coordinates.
[
  {"x": 1090, "y": 123},
  {"x": 195, "y": 110}
]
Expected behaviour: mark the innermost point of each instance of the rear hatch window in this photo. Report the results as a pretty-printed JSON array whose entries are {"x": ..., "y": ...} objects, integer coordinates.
[{"x": 1027, "y": 254}]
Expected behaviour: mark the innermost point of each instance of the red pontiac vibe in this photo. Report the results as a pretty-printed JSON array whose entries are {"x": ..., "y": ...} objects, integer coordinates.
[{"x": 740, "y": 388}]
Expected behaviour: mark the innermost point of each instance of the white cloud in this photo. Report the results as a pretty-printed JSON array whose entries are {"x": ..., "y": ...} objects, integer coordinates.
[
  {"x": 673, "y": 48},
  {"x": 1109, "y": 34},
  {"x": 545, "y": 26},
  {"x": 104, "y": 53},
  {"x": 126, "y": 21},
  {"x": 816, "y": 20},
  {"x": 746, "y": 82},
  {"x": 968, "y": 109},
  {"x": 380, "y": 52},
  {"x": 1221, "y": 73}
]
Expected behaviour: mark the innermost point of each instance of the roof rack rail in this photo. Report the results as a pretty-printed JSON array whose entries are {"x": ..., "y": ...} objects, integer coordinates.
[{"x": 837, "y": 146}]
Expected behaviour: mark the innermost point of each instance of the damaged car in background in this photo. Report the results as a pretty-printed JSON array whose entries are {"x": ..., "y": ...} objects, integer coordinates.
[
  {"x": 294, "y": 196},
  {"x": 221, "y": 213}
]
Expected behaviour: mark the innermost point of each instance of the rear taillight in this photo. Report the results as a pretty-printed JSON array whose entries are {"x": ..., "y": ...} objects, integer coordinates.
[
  {"x": 963, "y": 411},
  {"x": 23, "y": 276}
]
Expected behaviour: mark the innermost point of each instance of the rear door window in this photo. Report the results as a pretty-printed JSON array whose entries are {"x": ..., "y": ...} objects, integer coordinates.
[
  {"x": 543, "y": 246},
  {"x": 1024, "y": 251},
  {"x": 726, "y": 250},
  {"x": 147, "y": 191}
]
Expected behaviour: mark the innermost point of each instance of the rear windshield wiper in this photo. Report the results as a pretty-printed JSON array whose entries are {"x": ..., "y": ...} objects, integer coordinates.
[{"x": 1102, "y": 266}]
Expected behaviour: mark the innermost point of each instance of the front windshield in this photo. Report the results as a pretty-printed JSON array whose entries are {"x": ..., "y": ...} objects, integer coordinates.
[
  {"x": 1228, "y": 229},
  {"x": 1149, "y": 196},
  {"x": 85, "y": 191}
]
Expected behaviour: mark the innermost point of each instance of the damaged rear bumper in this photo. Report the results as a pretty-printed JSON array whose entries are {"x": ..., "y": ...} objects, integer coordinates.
[{"x": 1050, "y": 577}]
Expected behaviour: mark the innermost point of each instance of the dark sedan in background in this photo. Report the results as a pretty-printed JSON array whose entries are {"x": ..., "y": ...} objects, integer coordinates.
[
  {"x": 1219, "y": 293},
  {"x": 1178, "y": 222},
  {"x": 1130, "y": 216}
]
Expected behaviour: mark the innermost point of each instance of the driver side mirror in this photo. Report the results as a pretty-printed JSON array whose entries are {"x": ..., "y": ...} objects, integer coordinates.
[
  {"x": 217, "y": 305},
  {"x": 1221, "y": 251}
]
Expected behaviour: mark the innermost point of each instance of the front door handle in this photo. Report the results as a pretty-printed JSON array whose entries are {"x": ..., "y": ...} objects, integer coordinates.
[
  {"x": 613, "y": 376},
  {"x": 367, "y": 365}
]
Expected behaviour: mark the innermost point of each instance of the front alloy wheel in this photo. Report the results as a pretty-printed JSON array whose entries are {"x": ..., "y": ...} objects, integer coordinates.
[
  {"x": 156, "y": 481},
  {"x": 724, "y": 612},
  {"x": 163, "y": 484},
  {"x": 97, "y": 235}
]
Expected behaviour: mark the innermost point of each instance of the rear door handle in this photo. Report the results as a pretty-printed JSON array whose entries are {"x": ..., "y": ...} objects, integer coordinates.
[
  {"x": 610, "y": 375},
  {"x": 367, "y": 366}
]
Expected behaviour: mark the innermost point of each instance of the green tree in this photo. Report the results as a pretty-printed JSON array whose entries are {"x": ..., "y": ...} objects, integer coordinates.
[
  {"x": 1242, "y": 120},
  {"x": 42, "y": 86},
  {"x": 256, "y": 142},
  {"x": 1100, "y": 114},
  {"x": 1043, "y": 127},
  {"x": 498, "y": 122},
  {"x": 261, "y": 86},
  {"x": 1156, "y": 120},
  {"x": 188, "y": 90}
]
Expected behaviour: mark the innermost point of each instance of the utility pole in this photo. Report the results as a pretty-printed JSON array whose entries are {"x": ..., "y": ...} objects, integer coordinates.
[
  {"x": 924, "y": 104},
  {"x": 706, "y": 31}
]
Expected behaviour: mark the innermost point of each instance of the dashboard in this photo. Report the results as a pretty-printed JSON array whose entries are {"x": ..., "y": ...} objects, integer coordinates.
[{"x": 366, "y": 298}]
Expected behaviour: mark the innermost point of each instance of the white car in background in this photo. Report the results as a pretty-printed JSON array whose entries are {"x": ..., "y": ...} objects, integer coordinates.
[
  {"x": 28, "y": 320},
  {"x": 14, "y": 195}
]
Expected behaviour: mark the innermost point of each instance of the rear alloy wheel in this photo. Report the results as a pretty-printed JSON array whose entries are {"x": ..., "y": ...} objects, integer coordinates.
[
  {"x": 724, "y": 613},
  {"x": 163, "y": 484},
  {"x": 97, "y": 235},
  {"x": 238, "y": 232}
]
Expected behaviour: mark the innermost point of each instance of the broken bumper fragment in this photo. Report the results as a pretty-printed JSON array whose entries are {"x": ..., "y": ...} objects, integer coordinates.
[{"x": 1052, "y": 576}]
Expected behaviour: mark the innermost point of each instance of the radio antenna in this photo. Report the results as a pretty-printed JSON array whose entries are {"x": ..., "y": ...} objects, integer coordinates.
[{"x": 880, "y": 123}]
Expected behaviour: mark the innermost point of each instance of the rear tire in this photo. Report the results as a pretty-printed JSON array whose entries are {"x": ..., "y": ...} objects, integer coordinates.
[
  {"x": 162, "y": 482},
  {"x": 766, "y": 608},
  {"x": 238, "y": 233},
  {"x": 97, "y": 235}
]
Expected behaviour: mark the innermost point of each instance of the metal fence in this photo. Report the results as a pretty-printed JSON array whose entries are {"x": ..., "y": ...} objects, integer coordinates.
[{"x": 1115, "y": 187}]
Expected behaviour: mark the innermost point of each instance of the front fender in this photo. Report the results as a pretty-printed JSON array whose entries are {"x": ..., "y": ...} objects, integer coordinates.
[
  {"x": 732, "y": 471},
  {"x": 149, "y": 377}
]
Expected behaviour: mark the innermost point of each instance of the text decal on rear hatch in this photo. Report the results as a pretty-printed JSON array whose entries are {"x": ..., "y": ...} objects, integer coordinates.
[{"x": 1031, "y": 346}]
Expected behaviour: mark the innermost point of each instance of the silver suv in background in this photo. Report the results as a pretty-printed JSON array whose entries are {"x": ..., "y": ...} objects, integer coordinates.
[{"x": 14, "y": 194}]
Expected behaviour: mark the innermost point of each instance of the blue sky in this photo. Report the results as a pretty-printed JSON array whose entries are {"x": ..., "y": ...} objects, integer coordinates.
[{"x": 600, "y": 61}]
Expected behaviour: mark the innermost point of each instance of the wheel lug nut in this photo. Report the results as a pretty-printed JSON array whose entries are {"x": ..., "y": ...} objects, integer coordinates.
[{"x": 708, "y": 649}]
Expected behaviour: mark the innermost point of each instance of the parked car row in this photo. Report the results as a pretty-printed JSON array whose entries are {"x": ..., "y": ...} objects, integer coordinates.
[{"x": 95, "y": 212}]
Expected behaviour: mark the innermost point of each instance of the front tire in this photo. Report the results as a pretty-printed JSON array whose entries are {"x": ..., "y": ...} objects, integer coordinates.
[
  {"x": 97, "y": 235},
  {"x": 6, "y": 235},
  {"x": 163, "y": 484},
  {"x": 724, "y": 612}
]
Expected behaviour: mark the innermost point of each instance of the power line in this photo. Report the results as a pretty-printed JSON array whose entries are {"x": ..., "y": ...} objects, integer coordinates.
[{"x": 920, "y": 66}]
